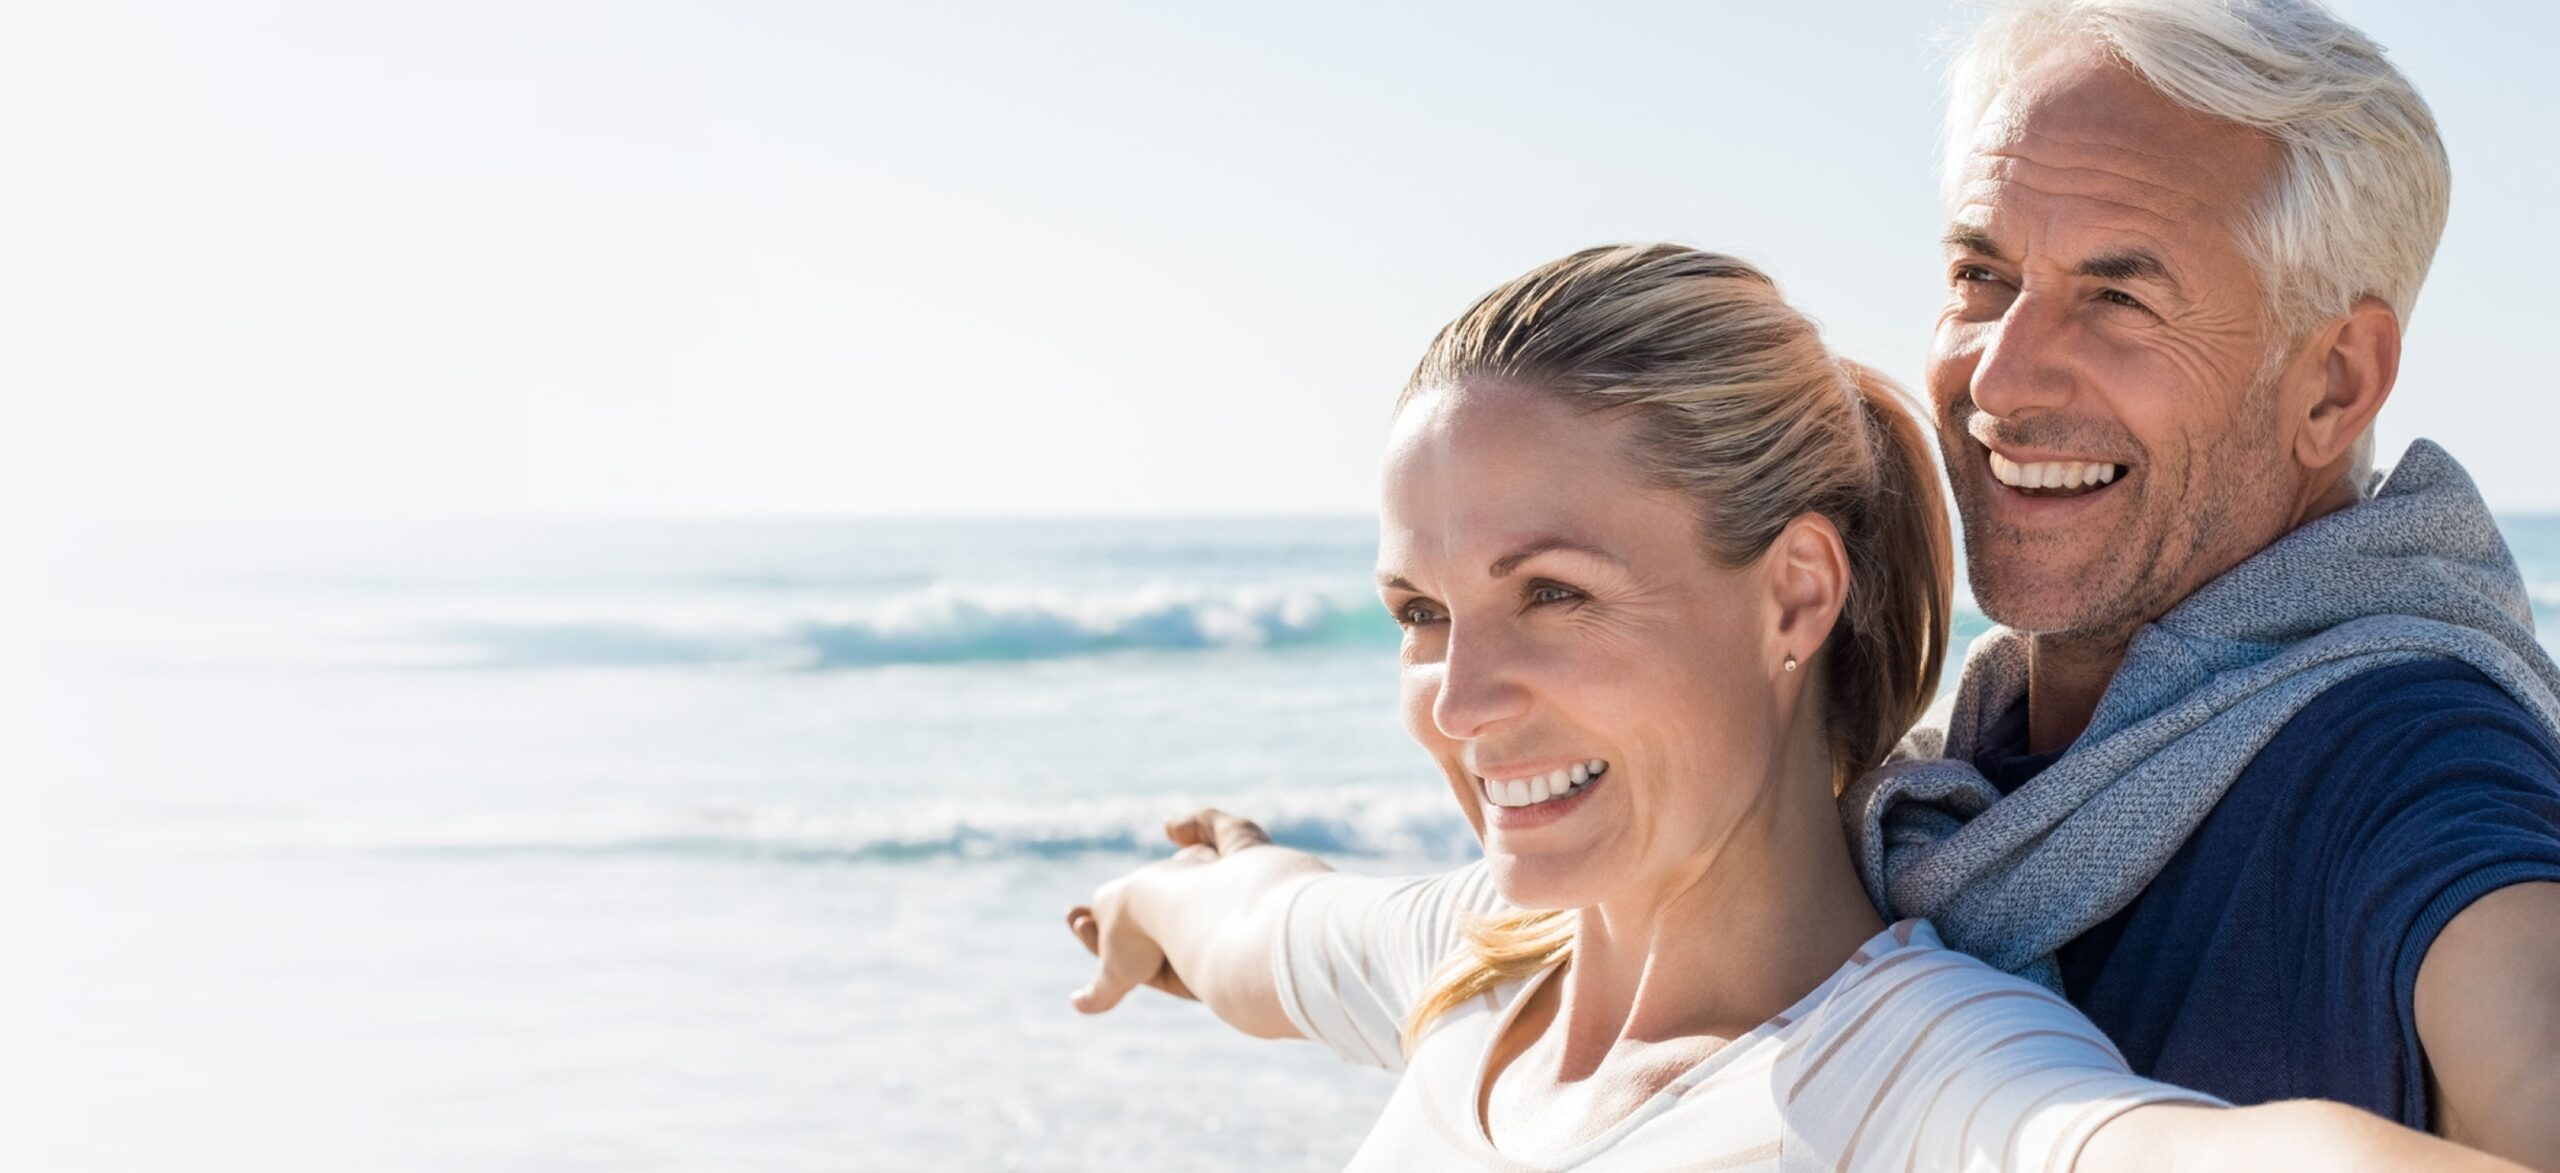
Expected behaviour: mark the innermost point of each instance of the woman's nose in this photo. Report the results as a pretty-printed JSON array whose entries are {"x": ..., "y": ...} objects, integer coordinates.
[{"x": 1481, "y": 685}]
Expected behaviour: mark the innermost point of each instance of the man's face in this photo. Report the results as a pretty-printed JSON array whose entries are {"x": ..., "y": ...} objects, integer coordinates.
[{"x": 2099, "y": 375}]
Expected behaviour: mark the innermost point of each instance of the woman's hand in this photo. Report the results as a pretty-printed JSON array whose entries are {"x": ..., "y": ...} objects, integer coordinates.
[{"x": 1195, "y": 925}]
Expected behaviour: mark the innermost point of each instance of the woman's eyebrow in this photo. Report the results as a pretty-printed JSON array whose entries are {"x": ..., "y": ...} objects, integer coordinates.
[
  {"x": 1509, "y": 562},
  {"x": 1504, "y": 565}
]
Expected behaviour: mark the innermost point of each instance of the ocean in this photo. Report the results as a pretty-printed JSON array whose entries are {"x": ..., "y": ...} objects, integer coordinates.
[{"x": 684, "y": 846}]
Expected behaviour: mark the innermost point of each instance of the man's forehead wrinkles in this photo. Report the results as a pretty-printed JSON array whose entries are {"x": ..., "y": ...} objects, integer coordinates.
[
  {"x": 2188, "y": 152},
  {"x": 2121, "y": 225},
  {"x": 2051, "y": 178},
  {"x": 2036, "y": 135}
]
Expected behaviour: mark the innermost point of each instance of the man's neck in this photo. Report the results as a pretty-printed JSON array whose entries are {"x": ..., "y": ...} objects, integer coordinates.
[{"x": 2067, "y": 674}]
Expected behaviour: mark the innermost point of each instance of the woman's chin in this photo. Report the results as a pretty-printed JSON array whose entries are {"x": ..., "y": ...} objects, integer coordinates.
[{"x": 1535, "y": 882}]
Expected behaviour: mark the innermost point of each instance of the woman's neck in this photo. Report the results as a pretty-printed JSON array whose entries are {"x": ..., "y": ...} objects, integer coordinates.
[{"x": 1750, "y": 929}]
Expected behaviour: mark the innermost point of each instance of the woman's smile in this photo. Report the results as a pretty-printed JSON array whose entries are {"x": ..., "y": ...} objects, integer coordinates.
[
  {"x": 1520, "y": 806},
  {"x": 1535, "y": 788}
]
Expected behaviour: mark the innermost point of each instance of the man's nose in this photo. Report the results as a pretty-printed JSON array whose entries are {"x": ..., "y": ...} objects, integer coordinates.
[
  {"x": 1480, "y": 684},
  {"x": 2023, "y": 365}
]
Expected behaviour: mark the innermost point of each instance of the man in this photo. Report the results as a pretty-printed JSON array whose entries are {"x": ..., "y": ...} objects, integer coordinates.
[
  {"x": 2261, "y": 766},
  {"x": 2294, "y": 821}
]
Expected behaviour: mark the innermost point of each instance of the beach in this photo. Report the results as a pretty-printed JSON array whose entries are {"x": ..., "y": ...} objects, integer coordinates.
[{"x": 696, "y": 845}]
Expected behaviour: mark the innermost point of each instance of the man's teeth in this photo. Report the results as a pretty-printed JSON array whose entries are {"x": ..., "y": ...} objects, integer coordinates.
[
  {"x": 2052, "y": 474},
  {"x": 1542, "y": 787}
]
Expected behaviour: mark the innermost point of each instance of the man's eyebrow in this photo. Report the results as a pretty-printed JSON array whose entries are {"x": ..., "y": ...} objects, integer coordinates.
[
  {"x": 1394, "y": 582},
  {"x": 2130, "y": 265},
  {"x": 1972, "y": 240},
  {"x": 2126, "y": 265}
]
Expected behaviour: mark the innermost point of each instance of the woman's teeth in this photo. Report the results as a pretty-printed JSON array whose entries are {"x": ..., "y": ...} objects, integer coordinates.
[
  {"x": 1540, "y": 788},
  {"x": 2066, "y": 475}
]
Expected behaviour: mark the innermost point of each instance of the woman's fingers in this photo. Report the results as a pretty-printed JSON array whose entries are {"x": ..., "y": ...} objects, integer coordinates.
[
  {"x": 1217, "y": 830},
  {"x": 1080, "y": 922},
  {"x": 1189, "y": 830},
  {"x": 1129, "y": 957},
  {"x": 1089, "y": 931},
  {"x": 1233, "y": 833},
  {"x": 1171, "y": 983}
]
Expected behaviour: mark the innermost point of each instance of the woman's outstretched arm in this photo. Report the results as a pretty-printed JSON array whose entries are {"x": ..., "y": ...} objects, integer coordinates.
[
  {"x": 2295, "y": 1134},
  {"x": 1197, "y": 925}
]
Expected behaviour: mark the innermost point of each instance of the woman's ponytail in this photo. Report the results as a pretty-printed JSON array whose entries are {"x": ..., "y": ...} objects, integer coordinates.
[{"x": 1887, "y": 660}]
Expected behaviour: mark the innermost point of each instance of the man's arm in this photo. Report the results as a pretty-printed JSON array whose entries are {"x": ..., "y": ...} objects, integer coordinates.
[
  {"x": 2488, "y": 1009},
  {"x": 1200, "y": 924}
]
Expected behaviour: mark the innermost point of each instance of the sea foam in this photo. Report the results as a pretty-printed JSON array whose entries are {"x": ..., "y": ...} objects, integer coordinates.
[
  {"x": 941, "y": 624},
  {"x": 1417, "y": 824}
]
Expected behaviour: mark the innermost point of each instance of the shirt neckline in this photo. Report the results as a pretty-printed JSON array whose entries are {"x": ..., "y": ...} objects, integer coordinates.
[{"x": 1889, "y": 940}]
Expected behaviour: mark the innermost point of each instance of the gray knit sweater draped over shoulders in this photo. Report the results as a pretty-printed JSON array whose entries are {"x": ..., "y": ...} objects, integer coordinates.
[{"x": 2415, "y": 571}]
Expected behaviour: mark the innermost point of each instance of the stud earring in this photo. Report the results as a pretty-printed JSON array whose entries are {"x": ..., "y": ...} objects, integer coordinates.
[{"x": 1791, "y": 662}]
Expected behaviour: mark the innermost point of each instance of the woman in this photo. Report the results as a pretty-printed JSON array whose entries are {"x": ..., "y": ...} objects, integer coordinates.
[{"x": 1669, "y": 576}]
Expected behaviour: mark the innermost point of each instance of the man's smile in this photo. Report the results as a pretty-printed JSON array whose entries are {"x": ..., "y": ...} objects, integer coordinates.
[
  {"x": 2054, "y": 477},
  {"x": 2047, "y": 476}
]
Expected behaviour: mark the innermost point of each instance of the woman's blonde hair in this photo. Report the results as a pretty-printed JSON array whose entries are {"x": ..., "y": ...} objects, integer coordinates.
[{"x": 1737, "y": 404}]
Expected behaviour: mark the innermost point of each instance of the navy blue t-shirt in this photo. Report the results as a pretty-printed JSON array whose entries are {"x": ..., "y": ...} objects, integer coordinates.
[{"x": 2276, "y": 956}]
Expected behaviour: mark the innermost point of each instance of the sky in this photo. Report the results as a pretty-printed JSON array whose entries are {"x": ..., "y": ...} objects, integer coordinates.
[{"x": 557, "y": 260}]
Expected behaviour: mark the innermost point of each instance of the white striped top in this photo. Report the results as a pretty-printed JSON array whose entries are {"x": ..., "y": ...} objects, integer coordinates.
[{"x": 1910, "y": 1057}]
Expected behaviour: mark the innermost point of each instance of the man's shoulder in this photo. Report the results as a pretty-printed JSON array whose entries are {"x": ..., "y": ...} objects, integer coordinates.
[
  {"x": 2401, "y": 761},
  {"x": 2414, "y": 714}
]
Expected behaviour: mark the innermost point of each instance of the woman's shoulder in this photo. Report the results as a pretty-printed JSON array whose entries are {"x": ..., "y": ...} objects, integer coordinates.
[
  {"x": 1906, "y": 1000},
  {"x": 1909, "y": 959},
  {"x": 1912, "y": 1026},
  {"x": 1921, "y": 1049}
]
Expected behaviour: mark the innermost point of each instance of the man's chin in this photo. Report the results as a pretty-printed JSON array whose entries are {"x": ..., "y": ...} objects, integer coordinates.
[{"x": 2051, "y": 601}]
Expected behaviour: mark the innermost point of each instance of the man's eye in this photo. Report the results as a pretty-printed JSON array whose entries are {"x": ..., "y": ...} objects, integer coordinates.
[
  {"x": 2120, "y": 297},
  {"x": 1965, "y": 273},
  {"x": 1415, "y": 614}
]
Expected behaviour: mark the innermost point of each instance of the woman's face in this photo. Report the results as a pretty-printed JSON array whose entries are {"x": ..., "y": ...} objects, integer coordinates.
[{"x": 1559, "y": 611}]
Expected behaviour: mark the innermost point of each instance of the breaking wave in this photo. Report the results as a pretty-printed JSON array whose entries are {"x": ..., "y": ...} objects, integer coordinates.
[
  {"x": 936, "y": 626},
  {"x": 1420, "y": 824}
]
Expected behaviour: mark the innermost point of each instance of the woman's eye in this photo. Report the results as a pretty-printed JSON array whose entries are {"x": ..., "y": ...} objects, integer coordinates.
[
  {"x": 1415, "y": 614},
  {"x": 1551, "y": 593}
]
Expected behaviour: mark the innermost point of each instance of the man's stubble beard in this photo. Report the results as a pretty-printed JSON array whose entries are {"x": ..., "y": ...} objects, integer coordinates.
[{"x": 2164, "y": 555}]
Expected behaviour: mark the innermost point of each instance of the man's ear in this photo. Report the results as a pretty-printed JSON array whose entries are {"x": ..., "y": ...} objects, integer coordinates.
[
  {"x": 1808, "y": 575},
  {"x": 2358, "y": 360}
]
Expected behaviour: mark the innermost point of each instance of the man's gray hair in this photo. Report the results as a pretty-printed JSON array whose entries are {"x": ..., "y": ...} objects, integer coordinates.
[{"x": 2359, "y": 202}]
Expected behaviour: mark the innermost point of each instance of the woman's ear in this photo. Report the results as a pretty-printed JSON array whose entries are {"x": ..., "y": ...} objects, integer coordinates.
[{"x": 1807, "y": 569}]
